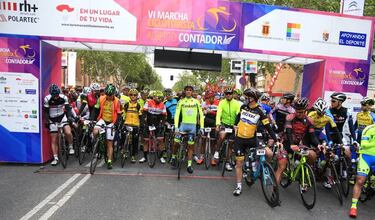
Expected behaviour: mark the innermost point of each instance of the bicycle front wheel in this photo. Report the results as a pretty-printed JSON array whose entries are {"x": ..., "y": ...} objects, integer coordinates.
[
  {"x": 94, "y": 157},
  {"x": 207, "y": 154},
  {"x": 124, "y": 151},
  {"x": 152, "y": 154},
  {"x": 83, "y": 148},
  {"x": 269, "y": 185},
  {"x": 343, "y": 169},
  {"x": 63, "y": 151},
  {"x": 180, "y": 160},
  {"x": 336, "y": 184},
  {"x": 307, "y": 186},
  {"x": 224, "y": 159}
]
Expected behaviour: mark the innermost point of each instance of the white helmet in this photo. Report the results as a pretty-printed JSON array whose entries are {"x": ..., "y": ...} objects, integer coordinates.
[
  {"x": 320, "y": 106},
  {"x": 86, "y": 90},
  {"x": 95, "y": 86}
]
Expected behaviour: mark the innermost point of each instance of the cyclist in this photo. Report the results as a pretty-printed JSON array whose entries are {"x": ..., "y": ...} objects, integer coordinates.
[
  {"x": 209, "y": 107},
  {"x": 124, "y": 97},
  {"x": 155, "y": 113},
  {"x": 264, "y": 100},
  {"x": 132, "y": 113},
  {"x": 281, "y": 110},
  {"x": 144, "y": 97},
  {"x": 58, "y": 110},
  {"x": 107, "y": 112},
  {"x": 246, "y": 125},
  {"x": 366, "y": 160},
  {"x": 81, "y": 99},
  {"x": 91, "y": 98},
  {"x": 298, "y": 128},
  {"x": 190, "y": 113},
  {"x": 237, "y": 94},
  {"x": 365, "y": 117},
  {"x": 227, "y": 111},
  {"x": 170, "y": 105}
]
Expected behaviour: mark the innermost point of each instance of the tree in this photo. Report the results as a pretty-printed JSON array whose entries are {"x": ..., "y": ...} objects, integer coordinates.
[{"x": 185, "y": 79}]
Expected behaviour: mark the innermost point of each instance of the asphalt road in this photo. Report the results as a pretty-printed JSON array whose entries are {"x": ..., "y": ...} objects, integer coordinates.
[{"x": 139, "y": 192}]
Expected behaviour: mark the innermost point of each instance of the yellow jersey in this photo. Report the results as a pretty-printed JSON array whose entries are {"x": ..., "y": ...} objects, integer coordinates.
[
  {"x": 108, "y": 111},
  {"x": 132, "y": 111},
  {"x": 321, "y": 121}
]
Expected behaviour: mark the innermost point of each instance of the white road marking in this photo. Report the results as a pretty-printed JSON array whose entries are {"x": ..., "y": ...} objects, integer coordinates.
[
  {"x": 65, "y": 198},
  {"x": 50, "y": 197},
  {"x": 100, "y": 164}
]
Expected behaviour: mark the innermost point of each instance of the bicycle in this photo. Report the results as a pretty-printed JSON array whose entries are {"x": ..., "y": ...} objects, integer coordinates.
[
  {"x": 85, "y": 144},
  {"x": 207, "y": 151},
  {"x": 224, "y": 151},
  {"x": 126, "y": 148},
  {"x": 181, "y": 153},
  {"x": 169, "y": 141},
  {"x": 152, "y": 147},
  {"x": 303, "y": 173},
  {"x": 63, "y": 151},
  {"x": 263, "y": 170},
  {"x": 100, "y": 149}
]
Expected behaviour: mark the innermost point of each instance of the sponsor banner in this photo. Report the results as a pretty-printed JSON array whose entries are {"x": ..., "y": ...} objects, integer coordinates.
[
  {"x": 103, "y": 19},
  {"x": 19, "y": 99},
  {"x": 346, "y": 76},
  {"x": 282, "y": 30},
  {"x": 187, "y": 23},
  {"x": 352, "y": 7}
]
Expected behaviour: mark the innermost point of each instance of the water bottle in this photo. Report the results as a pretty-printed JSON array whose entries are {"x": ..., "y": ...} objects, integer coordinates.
[{"x": 254, "y": 166}]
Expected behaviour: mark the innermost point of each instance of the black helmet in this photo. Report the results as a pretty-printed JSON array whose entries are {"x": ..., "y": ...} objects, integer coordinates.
[
  {"x": 252, "y": 93},
  {"x": 168, "y": 91},
  {"x": 289, "y": 96},
  {"x": 110, "y": 90},
  {"x": 188, "y": 87},
  {"x": 54, "y": 90},
  {"x": 339, "y": 96},
  {"x": 301, "y": 103},
  {"x": 228, "y": 90},
  {"x": 367, "y": 101}
]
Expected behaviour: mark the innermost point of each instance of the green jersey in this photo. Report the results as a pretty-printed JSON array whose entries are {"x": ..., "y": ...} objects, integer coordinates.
[
  {"x": 368, "y": 141},
  {"x": 190, "y": 111},
  {"x": 227, "y": 112}
]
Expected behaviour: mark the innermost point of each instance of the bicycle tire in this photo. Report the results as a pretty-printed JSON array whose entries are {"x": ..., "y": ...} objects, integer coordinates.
[
  {"x": 124, "y": 151},
  {"x": 207, "y": 154},
  {"x": 180, "y": 160},
  {"x": 344, "y": 179},
  {"x": 84, "y": 143},
  {"x": 272, "y": 197},
  {"x": 94, "y": 157},
  {"x": 337, "y": 184},
  {"x": 151, "y": 157},
  {"x": 63, "y": 154},
  {"x": 225, "y": 160},
  {"x": 285, "y": 176},
  {"x": 309, "y": 176}
]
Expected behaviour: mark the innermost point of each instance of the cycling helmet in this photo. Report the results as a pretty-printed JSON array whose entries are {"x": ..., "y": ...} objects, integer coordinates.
[
  {"x": 252, "y": 93},
  {"x": 95, "y": 86},
  {"x": 288, "y": 96},
  {"x": 110, "y": 90},
  {"x": 73, "y": 96},
  {"x": 301, "y": 103},
  {"x": 339, "y": 96},
  {"x": 86, "y": 90},
  {"x": 367, "y": 101},
  {"x": 320, "y": 106},
  {"x": 209, "y": 94},
  {"x": 189, "y": 87},
  {"x": 265, "y": 96},
  {"x": 54, "y": 90},
  {"x": 238, "y": 91},
  {"x": 158, "y": 94},
  {"x": 133, "y": 91},
  {"x": 228, "y": 90}
]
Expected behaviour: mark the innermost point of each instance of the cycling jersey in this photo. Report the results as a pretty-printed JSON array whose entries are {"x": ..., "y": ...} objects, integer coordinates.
[
  {"x": 364, "y": 119},
  {"x": 91, "y": 99},
  {"x": 155, "y": 112},
  {"x": 367, "y": 145},
  {"x": 108, "y": 109},
  {"x": 281, "y": 112},
  {"x": 340, "y": 116},
  {"x": 321, "y": 121},
  {"x": 227, "y": 112},
  {"x": 190, "y": 110},
  {"x": 132, "y": 111},
  {"x": 124, "y": 99},
  {"x": 171, "y": 106},
  {"x": 296, "y": 130},
  {"x": 247, "y": 120},
  {"x": 267, "y": 109},
  {"x": 56, "y": 107},
  {"x": 211, "y": 111}
]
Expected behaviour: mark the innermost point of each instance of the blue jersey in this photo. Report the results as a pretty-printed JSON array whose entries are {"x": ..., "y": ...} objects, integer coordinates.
[
  {"x": 267, "y": 109},
  {"x": 171, "y": 106}
]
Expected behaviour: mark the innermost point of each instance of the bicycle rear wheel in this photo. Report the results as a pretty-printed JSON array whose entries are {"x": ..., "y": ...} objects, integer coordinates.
[
  {"x": 336, "y": 184},
  {"x": 152, "y": 154},
  {"x": 269, "y": 185},
  {"x": 224, "y": 158},
  {"x": 83, "y": 148},
  {"x": 63, "y": 151},
  {"x": 307, "y": 186},
  {"x": 180, "y": 160},
  {"x": 94, "y": 157},
  {"x": 207, "y": 154},
  {"x": 344, "y": 176}
]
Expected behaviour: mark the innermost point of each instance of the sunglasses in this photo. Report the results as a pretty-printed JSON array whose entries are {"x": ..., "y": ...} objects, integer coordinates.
[
  {"x": 300, "y": 112},
  {"x": 229, "y": 93},
  {"x": 133, "y": 95},
  {"x": 333, "y": 101}
]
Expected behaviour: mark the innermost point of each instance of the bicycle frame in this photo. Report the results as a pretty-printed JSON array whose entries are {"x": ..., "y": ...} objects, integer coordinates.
[{"x": 295, "y": 171}]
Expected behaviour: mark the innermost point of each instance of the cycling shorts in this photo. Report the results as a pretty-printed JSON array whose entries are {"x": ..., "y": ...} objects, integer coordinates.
[
  {"x": 101, "y": 125},
  {"x": 364, "y": 164},
  {"x": 53, "y": 124},
  {"x": 159, "y": 132},
  {"x": 191, "y": 129},
  {"x": 242, "y": 144}
]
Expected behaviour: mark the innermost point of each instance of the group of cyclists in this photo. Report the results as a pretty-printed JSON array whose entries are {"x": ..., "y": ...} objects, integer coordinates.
[{"x": 288, "y": 125}]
